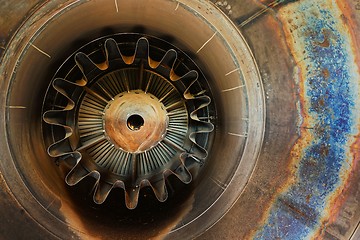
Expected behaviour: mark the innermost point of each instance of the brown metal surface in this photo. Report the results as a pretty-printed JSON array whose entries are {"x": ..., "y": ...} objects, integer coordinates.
[
  {"x": 147, "y": 107},
  {"x": 237, "y": 130},
  {"x": 276, "y": 32},
  {"x": 342, "y": 214}
]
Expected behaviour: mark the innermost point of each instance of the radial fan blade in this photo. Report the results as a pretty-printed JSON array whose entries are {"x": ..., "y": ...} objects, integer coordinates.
[
  {"x": 203, "y": 126},
  {"x": 197, "y": 150},
  {"x": 168, "y": 60},
  {"x": 142, "y": 49},
  {"x": 102, "y": 191},
  {"x": 131, "y": 197},
  {"x": 60, "y": 148},
  {"x": 65, "y": 88},
  {"x": 112, "y": 50},
  {"x": 76, "y": 174},
  {"x": 190, "y": 76},
  {"x": 160, "y": 190},
  {"x": 183, "y": 174},
  {"x": 86, "y": 65},
  {"x": 56, "y": 117}
]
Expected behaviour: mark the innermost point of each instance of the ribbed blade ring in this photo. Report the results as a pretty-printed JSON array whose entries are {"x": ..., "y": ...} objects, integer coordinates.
[{"x": 129, "y": 121}]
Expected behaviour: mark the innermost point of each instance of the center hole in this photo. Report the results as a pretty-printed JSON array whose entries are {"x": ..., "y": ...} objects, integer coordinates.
[{"x": 135, "y": 122}]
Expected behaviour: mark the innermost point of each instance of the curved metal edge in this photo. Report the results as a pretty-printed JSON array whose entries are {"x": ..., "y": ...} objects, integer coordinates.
[
  {"x": 53, "y": 226},
  {"x": 257, "y": 118},
  {"x": 87, "y": 66}
]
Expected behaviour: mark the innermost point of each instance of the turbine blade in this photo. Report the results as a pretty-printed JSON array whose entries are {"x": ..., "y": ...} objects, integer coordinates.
[
  {"x": 76, "y": 175},
  {"x": 85, "y": 64},
  {"x": 160, "y": 190},
  {"x": 112, "y": 50},
  {"x": 132, "y": 197},
  {"x": 102, "y": 191},
  {"x": 183, "y": 174}
]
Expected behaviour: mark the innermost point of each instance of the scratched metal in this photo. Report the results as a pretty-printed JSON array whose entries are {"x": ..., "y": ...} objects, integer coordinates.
[{"x": 329, "y": 90}]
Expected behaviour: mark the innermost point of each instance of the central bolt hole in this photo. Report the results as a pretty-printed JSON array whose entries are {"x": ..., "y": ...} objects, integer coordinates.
[{"x": 135, "y": 122}]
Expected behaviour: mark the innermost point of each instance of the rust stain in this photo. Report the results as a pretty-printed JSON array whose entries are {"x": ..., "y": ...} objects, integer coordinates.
[
  {"x": 303, "y": 141},
  {"x": 352, "y": 27},
  {"x": 315, "y": 111},
  {"x": 328, "y": 36},
  {"x": 339, "y": 198},
  {"x": 171, "y": 226},
  {"x": 342, "y": 193},
  {"x": 326, "y": 73},
  {"x": 308, "y": 197},
  {"x": 304, "y": 135},
  {"x": 73, "y": 219}
]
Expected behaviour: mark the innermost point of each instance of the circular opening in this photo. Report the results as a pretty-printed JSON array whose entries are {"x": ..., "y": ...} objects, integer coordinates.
[
  {"x": 105, "y": 146},
  {"x": 237, "y": 96},
  {"x": 135, "y": 122},
  {"x": 120, "y": 118}
]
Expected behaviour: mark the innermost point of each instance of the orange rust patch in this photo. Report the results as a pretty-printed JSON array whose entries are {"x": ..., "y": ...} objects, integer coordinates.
[
  {"x": 328, "y": 36},
  {"x": 326, "y": 73},
  {"x": 339, "y": 198},
  {"x": 305, "y": 135},
  {"x": 325, "y": 43},
  {"x": 352, "y": 26},
  {"x": 304, "y": 138},
  {"x": 308, "y": 197}
]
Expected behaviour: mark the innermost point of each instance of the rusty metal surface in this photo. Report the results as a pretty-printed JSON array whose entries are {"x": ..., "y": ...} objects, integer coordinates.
[
  {"x": 306, "y": 182},
  {"x": 129, "y": 154},
  {"x": 326, "y": 152},
  {"x": 91, "y": 220},
  {"x": 318, "y": 194}
]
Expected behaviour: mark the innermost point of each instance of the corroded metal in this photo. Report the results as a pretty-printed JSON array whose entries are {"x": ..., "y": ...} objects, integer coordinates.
[
  {"x": 315, "y": 191},
  {"x": 210, "y": 38},
  {"x": 305, "y": 184},
  {"x": 135, "y": 121},
  {"x": 132, "y": 128},
  {"x": 325, "y": 156}
]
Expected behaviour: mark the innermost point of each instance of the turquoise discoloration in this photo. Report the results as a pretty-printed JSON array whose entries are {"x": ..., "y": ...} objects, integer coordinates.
[{"x": 330, "y": 93}]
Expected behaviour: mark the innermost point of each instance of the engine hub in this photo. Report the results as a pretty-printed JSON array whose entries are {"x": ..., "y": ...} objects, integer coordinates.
[
  {"x": 135, "y": 121},
  {"x": 125, "y": 122}
]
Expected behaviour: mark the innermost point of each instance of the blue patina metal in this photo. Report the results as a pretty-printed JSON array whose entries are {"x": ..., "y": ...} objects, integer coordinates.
[{"x": 329, "y": 82}]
